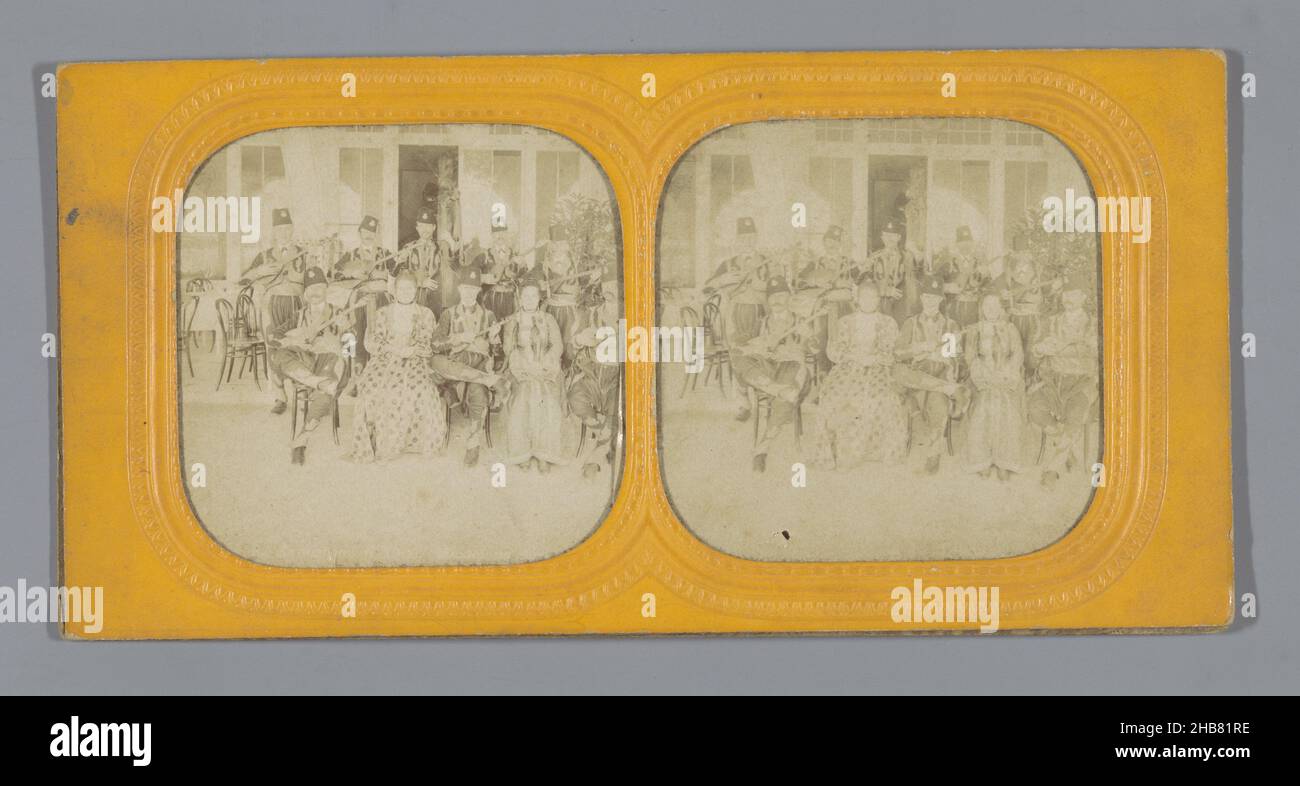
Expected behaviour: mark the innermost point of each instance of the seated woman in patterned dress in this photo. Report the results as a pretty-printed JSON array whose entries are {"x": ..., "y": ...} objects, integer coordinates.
[
  {"x": 398, "y": 408},
  {"x": 861, "y": 412}
]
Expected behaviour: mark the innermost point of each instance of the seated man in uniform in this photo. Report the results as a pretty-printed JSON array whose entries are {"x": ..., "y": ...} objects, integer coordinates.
[
  {"x": 772, "y": 363},
  {"x": 921, "y": 343},
  {"x": 1064, "y": 401},
  {"x": 593, "y": 392},
  {"x": 464, "y": 336},
  {"x": 309, "y": 353}
]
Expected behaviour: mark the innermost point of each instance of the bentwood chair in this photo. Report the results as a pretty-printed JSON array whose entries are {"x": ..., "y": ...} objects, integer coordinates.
[
  {"x": 242, "y": 346},
  {"x": 189, "y": 307},
  {"x": 717, "y": 357}
]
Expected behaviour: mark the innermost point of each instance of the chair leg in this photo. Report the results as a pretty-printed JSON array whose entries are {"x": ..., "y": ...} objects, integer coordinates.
[
  {"x": 293, "y": 419},
  {"x": 334, "y": 416},
  {"x": 225, "y": 358}
]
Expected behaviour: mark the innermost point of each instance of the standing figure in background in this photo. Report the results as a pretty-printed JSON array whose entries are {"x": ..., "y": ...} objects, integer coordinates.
[
  {"x": 424, "y": 258},
  {"x": 826, "y": 276},
  {"x": 965, "y": 274},
  {"x": 279, "y": 269},
  {"x": 995, "y": 354},
  {"x": 498, "y": 273},
  {"x": 444, "y": 198},
  {"x": 365, "y": 265},
  {"x": 534, "y": 411},
  {"x": 566, "y": 280},
  {"x": 1064, "y": 401},
  {"x": 1024, "y": 297},
  {"x": 398, "y": 407},
  {"x": 892, "y": 268},
  {"x": 860, "y": 414},
  {"x": 308, "y": 353},
  {"x": 742, "y": 281}
]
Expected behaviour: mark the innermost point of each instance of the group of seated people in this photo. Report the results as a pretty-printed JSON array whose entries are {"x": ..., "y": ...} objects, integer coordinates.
[
  {"x": 428, "y": 330},
  {"x": 894, "y": 351}
]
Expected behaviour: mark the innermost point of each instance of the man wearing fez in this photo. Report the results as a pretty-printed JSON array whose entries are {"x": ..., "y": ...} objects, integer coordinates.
[
  {"x": 742, "y": 279},
  {"x": 424, "y": 257},
  {"x": 308, "y": 352},
  {"x": 1064, "y": 401},
  {"x": 920, "y": 346},
  {"x": 367, "y": 265},
  {"x": 772, "y": 363},
  {"x": 464, "y": 336},
  {"x": 965, "y": 273},
  {"x": 279, "y": 269},
  {"x": 827, "y": 276},
  {"x": 367, "y": 259},
  {"x": 893, "y": 268}
]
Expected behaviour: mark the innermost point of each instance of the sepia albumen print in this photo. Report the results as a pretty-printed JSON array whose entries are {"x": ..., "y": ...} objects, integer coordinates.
[
  {"x": 392, "y": 362},
  {"x": 902, "y": 358}
]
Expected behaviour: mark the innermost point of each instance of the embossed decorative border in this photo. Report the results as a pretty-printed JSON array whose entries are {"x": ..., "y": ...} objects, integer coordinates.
[{"x": 641, "y": 544}]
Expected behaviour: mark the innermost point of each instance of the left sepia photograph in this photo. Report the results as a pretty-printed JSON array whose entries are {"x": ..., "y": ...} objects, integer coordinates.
[{"x": 387, "y": 345}]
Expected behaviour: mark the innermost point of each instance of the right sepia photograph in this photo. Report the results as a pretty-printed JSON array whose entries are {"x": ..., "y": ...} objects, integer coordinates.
[{"x": 901, "y": 340}]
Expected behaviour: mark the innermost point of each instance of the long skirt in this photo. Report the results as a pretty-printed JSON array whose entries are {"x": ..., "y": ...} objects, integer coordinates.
[
  {"x": 995, "y": 430},
  {"x": 533, "y": 417},
  {"x": 861, "y": 416},
  {"x": 398, "y": 410}
]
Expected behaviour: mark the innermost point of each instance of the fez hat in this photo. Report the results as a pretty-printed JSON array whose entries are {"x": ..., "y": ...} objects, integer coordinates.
[
  {"x": 834, "y": 232},
  {"x": 931, "y": 284},
  {"x": 558, "y": 232},
  {"x": 280, "y": 217},
  {"x": 777, "y": 286},
  {"x": 499, "y": 227},
  {"x": 370, "y": 224},
  {"x": 425, "y": 216},
  {"x": 746, "y": 226},
  {"x": 892, "y": 227},
  {"x": 468, "y": 277},
  {"x": 963, "y": 233},
  {"x": 313, "y": 276}
]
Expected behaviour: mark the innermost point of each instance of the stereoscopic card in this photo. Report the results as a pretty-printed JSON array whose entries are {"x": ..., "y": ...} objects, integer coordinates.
[{"x": 725, "y": 343}]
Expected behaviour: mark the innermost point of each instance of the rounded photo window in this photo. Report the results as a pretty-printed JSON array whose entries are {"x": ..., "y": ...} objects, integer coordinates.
[
  {"x": 900, "y": 340},
  {"x": 386, "y": 345}
]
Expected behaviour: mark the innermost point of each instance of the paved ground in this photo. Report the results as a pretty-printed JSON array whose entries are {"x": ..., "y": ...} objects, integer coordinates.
[{"x": 333, "y": 512}]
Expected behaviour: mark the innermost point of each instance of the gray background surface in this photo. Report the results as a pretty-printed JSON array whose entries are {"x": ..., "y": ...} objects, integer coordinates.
[{"x": 1257, "y": 656}]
